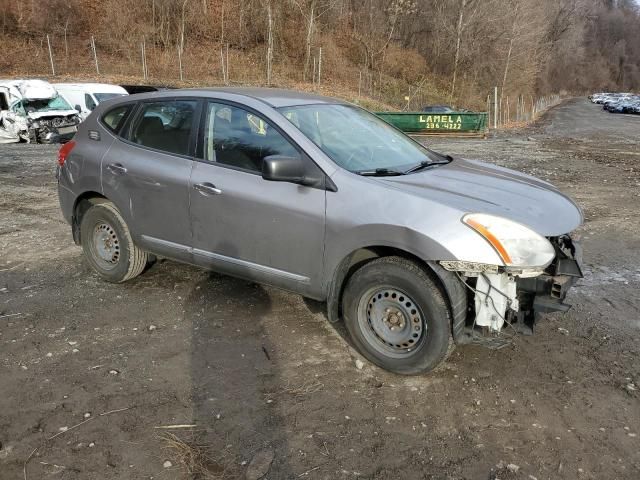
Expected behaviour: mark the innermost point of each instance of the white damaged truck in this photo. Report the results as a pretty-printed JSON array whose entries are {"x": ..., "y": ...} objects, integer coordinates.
[{"x": 33, "y": 111}]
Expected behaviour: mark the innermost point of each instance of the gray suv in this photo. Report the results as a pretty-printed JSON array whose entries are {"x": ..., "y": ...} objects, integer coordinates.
[{"x": 416, "y": 251}]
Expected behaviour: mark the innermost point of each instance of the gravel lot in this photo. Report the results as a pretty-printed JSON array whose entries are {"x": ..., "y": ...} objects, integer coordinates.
[{"x": 259, "y": 371}]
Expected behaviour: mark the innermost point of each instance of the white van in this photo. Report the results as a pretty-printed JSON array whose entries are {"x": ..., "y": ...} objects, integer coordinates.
[{"x": 84, "y": 97}]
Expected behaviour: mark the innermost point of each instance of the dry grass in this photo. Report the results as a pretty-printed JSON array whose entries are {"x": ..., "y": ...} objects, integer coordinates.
[
  {"x": 121, "y": 63},
  {"x": 195, "y": 459},
  {"x": 297, "y": 391}
]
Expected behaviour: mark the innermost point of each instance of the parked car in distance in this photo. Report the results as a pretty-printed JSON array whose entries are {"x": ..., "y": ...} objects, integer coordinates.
[
  {"x": 133, "y": 89},
  {"x": 438, "y": 109},
  {"x": 415, "y": 250},
  {"x": 31, "y": 110},
  {"x": 628, "y": 103},
  {"x": 86, "y": 96}
]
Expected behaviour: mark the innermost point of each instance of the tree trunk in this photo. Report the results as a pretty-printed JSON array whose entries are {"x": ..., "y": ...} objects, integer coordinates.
[
  {"x": 510, "y": 49},
  {"x": 456, "y": 60},
  {"x": 269, "y": 43},
  {"x": 307, "y": 58}
]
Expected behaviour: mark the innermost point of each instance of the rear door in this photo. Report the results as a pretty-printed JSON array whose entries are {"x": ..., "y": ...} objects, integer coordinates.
[
  {"x": 146, "y": 174},
  {"x": 271, "y": 232}
]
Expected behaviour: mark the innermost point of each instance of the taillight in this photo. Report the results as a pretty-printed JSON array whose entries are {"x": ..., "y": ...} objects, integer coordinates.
[{"x": 64, "y": 151}]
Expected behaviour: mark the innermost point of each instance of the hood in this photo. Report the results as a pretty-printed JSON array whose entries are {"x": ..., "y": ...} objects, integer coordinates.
[
  {"x": 51, "y": 114},
  {"x": 477, "y": 187}
]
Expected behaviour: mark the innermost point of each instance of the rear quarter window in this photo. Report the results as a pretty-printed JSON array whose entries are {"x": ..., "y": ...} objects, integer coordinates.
[{"x": 114, "y": 118}]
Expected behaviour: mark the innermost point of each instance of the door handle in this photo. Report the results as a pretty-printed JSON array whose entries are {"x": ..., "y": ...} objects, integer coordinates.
[
  {"x": 117, "y": 169},
  {"x": 207, "y": 189}
]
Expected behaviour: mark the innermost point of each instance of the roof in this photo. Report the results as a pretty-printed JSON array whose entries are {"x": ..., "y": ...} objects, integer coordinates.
[
  {"x": 93, "y": 87},
  {"x": 275, "y": 97}
]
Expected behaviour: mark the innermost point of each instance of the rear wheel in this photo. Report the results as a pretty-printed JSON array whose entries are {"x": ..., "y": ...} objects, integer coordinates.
[
  {"x": 108, "y": 246},
  {"x": 397, "y": 316}
]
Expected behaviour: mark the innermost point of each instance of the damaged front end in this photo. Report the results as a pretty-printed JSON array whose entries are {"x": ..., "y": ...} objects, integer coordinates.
[
  {"x": 501, "y": 298},
  {"x": 52, "y": 129},
  {"x": 32, "y": 111}
]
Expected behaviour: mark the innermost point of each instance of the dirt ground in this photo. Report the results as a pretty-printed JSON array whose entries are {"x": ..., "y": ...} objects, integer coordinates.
[{"x": 260, "y": 371}]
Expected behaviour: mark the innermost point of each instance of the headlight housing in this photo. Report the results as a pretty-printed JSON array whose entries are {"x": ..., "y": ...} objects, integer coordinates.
[{"x": 517, "y": 245}]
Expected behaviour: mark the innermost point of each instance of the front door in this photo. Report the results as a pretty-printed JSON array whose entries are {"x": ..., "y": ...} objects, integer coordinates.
[
  {"x": 270, "y": 232},
  {"x": 147, "y": 175}
]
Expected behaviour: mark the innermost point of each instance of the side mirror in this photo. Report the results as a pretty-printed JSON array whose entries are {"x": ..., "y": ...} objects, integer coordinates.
[
  {"x": 78, "y": 108},
  {"x": 279, "y": 168}
]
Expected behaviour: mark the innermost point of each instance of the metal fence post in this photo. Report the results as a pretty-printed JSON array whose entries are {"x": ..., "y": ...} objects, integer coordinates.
[
  {"x": 95, "y": 55},
  {"x": 53, "y": 68}
]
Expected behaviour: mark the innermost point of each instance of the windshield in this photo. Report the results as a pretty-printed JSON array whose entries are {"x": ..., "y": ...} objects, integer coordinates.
[
  {"x": 101, "y": 97},
  {"x": 55, "y": 103},
  {"x": 356, "y": 139}
]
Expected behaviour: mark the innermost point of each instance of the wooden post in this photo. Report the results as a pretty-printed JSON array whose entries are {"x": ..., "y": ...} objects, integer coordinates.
[
  {"x": 489, "y": 109},
  {"x": 313, "y": 78},
  {"x": 319, "y": 65},
  {"x": 495, "y": 107},
  {"x": 144, "y": 60},
  {"x": 269, "y": 43},
  {"x": 95, "y": 55},
  {"x": 224, "y": 75},
  {"x": 53, "y": 68},
  {"x": 226, "y": 70}
]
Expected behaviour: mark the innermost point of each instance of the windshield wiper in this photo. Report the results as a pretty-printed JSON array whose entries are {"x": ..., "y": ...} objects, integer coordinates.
[
  {"x": 428, "y": 163},
  {"x": 380, "y": 172}
]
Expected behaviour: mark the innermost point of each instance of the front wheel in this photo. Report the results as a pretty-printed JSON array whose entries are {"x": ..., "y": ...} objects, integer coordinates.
[
  {"x": 397, "y": 316},
  {"x": 108, "y": 246}
]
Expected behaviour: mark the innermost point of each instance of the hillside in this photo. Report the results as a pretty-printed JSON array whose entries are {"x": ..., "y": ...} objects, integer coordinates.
[{"x": 375, "y": 52}]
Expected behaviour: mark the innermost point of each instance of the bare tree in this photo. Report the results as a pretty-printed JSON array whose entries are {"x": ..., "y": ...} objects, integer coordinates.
[{"x": 311, "y": 11}]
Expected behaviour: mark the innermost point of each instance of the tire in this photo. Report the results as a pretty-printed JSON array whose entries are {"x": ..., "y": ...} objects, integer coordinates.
[
  {"x": 108, "y": 246},
  {"x": 397, "y": 316}
]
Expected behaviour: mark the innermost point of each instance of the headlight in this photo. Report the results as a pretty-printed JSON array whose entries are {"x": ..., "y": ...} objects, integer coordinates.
[{"x": 517, "y": 245}]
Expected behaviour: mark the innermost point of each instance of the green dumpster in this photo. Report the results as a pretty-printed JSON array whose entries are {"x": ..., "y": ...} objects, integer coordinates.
[{"x": 455, "y": 123}]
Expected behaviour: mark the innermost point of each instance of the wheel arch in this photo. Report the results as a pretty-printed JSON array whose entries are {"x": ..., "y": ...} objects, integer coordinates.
[
  {"x": 452, "y": 288},
  {"x": 82, "y": 203}
]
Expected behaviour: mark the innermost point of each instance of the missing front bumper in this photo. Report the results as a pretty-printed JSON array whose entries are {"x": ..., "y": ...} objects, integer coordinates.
[{"x": 502, "y": 299}]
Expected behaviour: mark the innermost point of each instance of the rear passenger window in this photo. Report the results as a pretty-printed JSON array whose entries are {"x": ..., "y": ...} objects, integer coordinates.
[
  {"x": 165, "y": 126},
  {"x": 114, "y": 118},
  {"x": 236, "y": 137}
]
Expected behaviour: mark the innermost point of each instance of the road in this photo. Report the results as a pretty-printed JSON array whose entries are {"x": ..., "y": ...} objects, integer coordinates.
[{"x": 90, "y": 370}]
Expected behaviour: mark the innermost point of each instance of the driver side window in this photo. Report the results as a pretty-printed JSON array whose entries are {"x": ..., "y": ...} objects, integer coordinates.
[{"x": 238, "y": 138}]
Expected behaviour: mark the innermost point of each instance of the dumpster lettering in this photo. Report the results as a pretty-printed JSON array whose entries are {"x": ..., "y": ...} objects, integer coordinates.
[{"x": 444, "y": 122}]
